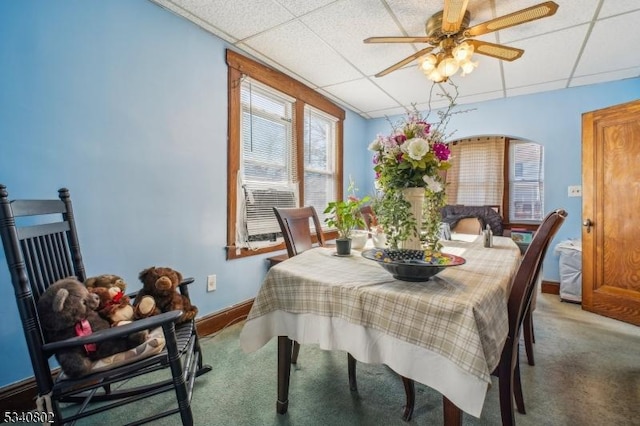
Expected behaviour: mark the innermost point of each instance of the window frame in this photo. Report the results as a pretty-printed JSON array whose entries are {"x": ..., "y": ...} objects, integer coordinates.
[{"x": 238, "y": 66}]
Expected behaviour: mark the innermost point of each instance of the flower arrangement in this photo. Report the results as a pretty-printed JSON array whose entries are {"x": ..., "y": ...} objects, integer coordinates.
[{"x": 413, "y": 155}]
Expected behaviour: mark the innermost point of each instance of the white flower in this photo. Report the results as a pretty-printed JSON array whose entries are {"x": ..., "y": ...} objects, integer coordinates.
[
  {"x": 432, "y": 184},
  {"x": 416, "y": 148},
  {"x": 376, "y": 145}
]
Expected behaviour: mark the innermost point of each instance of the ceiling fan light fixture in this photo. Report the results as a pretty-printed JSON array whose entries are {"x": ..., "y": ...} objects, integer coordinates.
[
  {"x": 463, "y": 51},
  {"x": 467, "y": 67},
  {"x": 428, "y": 63},
  {"x": 435, "y": 76},
  {"x": 448, "y": 66}
]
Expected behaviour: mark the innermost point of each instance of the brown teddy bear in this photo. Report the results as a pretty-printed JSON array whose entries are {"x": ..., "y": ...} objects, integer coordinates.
[
  {"x": 159, "y": 294},
  {"x": 107, "y": 281},
  {"x": 67, "y": 309},
  {"x": 115, "y": 306}
]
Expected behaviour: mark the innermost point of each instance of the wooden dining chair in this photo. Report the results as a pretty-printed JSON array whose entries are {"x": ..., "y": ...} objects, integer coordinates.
[
  {"x": 518, "y": 305},
  {"x": 295, "y": 223},
  {"x": 41, "y": 246}
]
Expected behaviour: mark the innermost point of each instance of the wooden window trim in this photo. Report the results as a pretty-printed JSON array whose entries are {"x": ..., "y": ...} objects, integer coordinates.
[{"x": 238, "y": 66}]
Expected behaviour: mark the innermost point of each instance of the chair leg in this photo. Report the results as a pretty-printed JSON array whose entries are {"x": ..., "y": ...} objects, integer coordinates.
[
  {"x": 294, "y": 353},
  {"x": 505, "y": 379},
  {"x": 410, "y": 395},
  {"x": 351, "y": 366},
  {"x": 529, "y": 338},
  {"x": 517, "y": 388}
]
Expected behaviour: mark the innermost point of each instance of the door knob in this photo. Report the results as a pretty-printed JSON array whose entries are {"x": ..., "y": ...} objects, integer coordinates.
[{"x": 587, "y": 223}]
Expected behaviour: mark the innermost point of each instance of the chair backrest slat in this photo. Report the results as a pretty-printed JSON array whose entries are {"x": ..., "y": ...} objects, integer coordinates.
[{"x": 295, "y": 224}]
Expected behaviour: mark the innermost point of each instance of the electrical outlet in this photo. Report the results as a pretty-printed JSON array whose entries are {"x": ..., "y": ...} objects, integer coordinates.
[
  {"x": 211, "y": 282},
  {"x": 575, "y": 191}
]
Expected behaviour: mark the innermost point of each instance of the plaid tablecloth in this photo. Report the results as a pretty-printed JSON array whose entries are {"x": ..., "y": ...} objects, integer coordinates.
[{"x": 461, "y": 313}]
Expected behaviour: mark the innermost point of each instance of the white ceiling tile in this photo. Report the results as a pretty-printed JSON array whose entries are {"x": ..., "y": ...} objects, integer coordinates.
[
  {"x": 487, "y": 77},
  {"x": 607, "y": 49},
  {"x": 569, "y": 13},
  {"x": 362, "y": 94},
  {"x": 341, "y": 26},
  {"x": 548, "y": 57},
  {"x": 615, "y": 7},
  {"x": 302, "y": 7},
  {"x": 389, "y": 112},
  {"x": 408, "y": 85},
  {"x": 304, "y": 52},
  {"x": 233, "y": 20}
]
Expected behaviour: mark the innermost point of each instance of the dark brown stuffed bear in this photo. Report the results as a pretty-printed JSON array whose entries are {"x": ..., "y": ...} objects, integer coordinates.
[
  {"x": 67, "y": 309},
  {"x": 159, "y": 294}
]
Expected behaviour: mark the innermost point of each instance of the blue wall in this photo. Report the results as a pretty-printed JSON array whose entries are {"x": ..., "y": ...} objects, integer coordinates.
[{"x": 126, "y": 105}]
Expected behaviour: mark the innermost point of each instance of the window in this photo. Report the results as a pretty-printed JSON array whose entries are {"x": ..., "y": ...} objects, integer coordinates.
[
  {"x": 498, "y": 171},
  {"x": 284, "y": 149},
  {"x": 526, "y": 181}
]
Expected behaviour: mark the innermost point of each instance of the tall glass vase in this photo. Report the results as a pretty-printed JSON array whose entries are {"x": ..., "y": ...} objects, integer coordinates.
[{"x": 415, "y": 197}]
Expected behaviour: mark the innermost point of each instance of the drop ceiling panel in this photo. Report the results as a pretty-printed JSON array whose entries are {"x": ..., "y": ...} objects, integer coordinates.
[
  {"x": 548, "y": 57},
  {"x": 616, "y": 7},
  {"x": 606, "y": 52},
  {"x": 305, "y": 52},
  {"x": 234, "y": 20},
  {"x": 569, "y": 13},
  {"x": 335, "y": 24},
  {"x": 300, "y": 8},
  {"x": 362, "y": 94}
]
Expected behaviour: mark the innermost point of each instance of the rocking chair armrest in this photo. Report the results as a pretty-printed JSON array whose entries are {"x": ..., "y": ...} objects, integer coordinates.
[{"x": 115, "y": 332}]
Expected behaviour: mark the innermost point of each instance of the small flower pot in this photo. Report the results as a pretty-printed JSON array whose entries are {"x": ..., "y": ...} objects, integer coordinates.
[{"x": 343, "y": 246}]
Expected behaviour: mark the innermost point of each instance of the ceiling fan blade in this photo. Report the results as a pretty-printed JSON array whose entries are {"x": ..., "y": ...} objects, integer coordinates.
[
  {"x": 529, "y": 14},
  {"x": 405, "y": 61},
  {"x": 499, "y": 51},
  {"x": 453, "y": 15},
  {"x": 422, "y": 39}
]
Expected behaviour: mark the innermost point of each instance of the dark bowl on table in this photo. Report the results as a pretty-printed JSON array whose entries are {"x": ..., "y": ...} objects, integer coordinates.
[{"x": 412, "y": 265}]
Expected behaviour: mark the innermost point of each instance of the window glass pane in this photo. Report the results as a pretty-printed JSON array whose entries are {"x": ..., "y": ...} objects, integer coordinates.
[
  {"x": 319, "y": 154},
  {"x": 526, "y": 181}
]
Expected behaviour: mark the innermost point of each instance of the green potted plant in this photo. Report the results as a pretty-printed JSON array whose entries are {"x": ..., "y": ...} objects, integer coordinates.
[{"x": 345, "y": 216}]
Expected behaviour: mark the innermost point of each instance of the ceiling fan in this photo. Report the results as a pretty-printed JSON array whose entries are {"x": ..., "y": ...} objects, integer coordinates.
[{"x": 452, "y": 43}]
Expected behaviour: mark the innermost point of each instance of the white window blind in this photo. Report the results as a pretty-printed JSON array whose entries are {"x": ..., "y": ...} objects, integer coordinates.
[
  {"x": 319, "y": 159},
  {"x": 526, "y": 181},
  {"x": 267, "y": 166},
  {"x": 476, "y": 175}
]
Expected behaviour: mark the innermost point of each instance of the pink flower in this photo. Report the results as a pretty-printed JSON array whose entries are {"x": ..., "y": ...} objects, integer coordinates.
[
  {"x": 400, "y": 138},
  {"x": 441, "y": 151}
]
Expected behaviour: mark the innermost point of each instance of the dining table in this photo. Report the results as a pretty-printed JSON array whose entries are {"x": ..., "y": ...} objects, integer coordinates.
[{"x": 446, "y": 333}]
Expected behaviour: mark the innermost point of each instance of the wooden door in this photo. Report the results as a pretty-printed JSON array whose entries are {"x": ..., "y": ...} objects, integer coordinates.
[{"x": 611, "y": 205}]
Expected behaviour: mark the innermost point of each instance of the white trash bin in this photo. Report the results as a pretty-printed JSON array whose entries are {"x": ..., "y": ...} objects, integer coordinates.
[{"x": 570, "y": 252}]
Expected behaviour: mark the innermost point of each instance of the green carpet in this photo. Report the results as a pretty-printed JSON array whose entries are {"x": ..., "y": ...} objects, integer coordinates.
[{"x": 587, "y": 373}]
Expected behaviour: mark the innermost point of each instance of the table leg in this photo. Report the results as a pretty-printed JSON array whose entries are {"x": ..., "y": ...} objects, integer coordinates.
[
  {"x": 452, "y": 414},
  {"x": 284, "y": 372}
]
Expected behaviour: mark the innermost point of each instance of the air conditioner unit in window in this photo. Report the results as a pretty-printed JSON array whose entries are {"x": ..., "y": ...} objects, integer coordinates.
[{"x": 260, "y": 202}]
